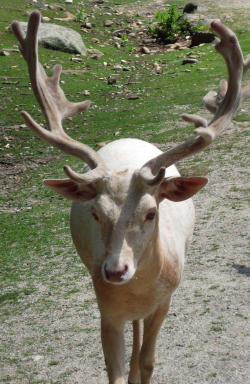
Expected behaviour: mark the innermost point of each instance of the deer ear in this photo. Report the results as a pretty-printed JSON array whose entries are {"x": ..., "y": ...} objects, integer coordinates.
[
  {"x": 180, "y": 188},
  {"x": 71, "y": 190}
]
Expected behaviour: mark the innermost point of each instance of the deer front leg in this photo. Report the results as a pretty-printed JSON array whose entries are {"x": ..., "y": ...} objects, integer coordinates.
[
  {"x": 112, "y": 334},
  {"x": 134, "y": 374},
  {"x": 152, "y": 325}
]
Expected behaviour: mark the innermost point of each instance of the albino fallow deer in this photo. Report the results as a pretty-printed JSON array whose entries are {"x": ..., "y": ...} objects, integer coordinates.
[{"x": 132, "y": 217}]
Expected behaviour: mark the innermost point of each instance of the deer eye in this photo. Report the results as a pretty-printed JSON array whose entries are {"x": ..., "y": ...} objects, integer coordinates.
[
  {"x": 95, "y": 216},
  {"x": 151, "y": 214}
]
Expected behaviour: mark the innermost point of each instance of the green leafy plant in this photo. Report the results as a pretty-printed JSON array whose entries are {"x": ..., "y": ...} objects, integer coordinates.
[
  {"x": 167, "y": 23},
  {"x": 170, "y": 25},
  {"x": 80, "y": 15},
  {"x": 124, "y": 40}
]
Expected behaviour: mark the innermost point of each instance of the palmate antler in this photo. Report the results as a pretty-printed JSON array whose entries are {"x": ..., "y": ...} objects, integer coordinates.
[
  {"x": 224, "y": 104},
  {"x": 54, "y": 105}
]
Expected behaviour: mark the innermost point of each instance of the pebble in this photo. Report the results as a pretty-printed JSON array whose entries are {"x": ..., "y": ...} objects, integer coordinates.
[
  {"x": 190, "y": 61},
  {"x": 145, "y": 50}
]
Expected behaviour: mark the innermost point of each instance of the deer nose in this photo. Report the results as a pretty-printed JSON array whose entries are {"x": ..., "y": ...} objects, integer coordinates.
[{"x": 115, "y": 276}]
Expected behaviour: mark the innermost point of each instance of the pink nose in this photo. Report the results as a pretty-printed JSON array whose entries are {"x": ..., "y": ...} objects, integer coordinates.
[{"x": 117, "y": 276}]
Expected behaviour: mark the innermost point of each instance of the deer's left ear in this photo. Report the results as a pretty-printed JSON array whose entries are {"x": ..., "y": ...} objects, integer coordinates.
[{"x": 179, "y": 188}]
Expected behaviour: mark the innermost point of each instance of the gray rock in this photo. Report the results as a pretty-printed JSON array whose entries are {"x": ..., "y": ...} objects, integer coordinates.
[
  {"x": 4, "y": 53},
  {"x": 40, "y": 4},
  {"x": 133, "y": 97},
  {"x": 194, "y": 7},
  {"x": 208, "y": 20},
  {"x": 190, "y": 8},
  {"x": 190, "y": 61},
  {"x": 193, "y": 19},
  {"x": 108, "y": 23},
  {"x": 55, "y": 7},
  {"x": 111, "y": 80},
  {"x": 145, "y": 50},
  {"x": 59, "y": 38},
  {"x": 202, "y": 38},
  {"x": 95, "y": 53}
]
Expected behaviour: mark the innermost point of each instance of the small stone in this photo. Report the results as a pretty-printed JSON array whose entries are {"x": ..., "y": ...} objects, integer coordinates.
[
  {"x": 40, "y": 4},
  {"x": 111, "y": 80},
  {"x": 69, "y": 16},
  {"x": 88, "y": 25},
  {"x": 133, "y": 97},
  {"x": 55, "y": 7},
  {"x": 45, "y": 19},
  {"x": 86, "y": 92},
  {"x": 145, "y": 50},
  {"x": 108, "y": 23},
  {"x": 95, "y": 52},
  {"x": 37, "y": 357},
  {"x": 76, "y": 59},
  {"x": 177, "y": 46},
  {"x": 202, "y": 38},
  {"x": 190, "y": 61},
  {"x": 4, "y": 53},
  {"x": 101, "y": 144},
  {"x": 190, "y": 8},
  {"x": 86, "y": 30},
  {"x": 94, "y": 41}
]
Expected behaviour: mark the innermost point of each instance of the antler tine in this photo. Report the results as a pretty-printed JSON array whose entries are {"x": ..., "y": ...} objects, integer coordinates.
[
  {"x": 245, "y": 92},
  {"x": 213, "y": 99},
  {"x": 53, "y": 102},
  {"x": 205, "y": 134}
]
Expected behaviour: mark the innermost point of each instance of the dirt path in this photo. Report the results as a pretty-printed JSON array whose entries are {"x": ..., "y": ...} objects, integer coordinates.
[{"x": 152, "y": 6}]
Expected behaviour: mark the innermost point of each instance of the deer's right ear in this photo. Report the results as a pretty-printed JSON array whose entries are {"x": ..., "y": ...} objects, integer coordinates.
[{"x": 71, "y": 190}]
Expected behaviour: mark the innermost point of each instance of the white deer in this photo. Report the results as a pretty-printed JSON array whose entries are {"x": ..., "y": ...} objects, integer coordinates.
[{"x": 132, "y": 217}]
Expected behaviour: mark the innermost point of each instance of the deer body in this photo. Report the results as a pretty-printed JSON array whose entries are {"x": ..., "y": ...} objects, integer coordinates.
[
  {"x": 158, "y": 265},
  {"x": 132, "y": 216}
]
